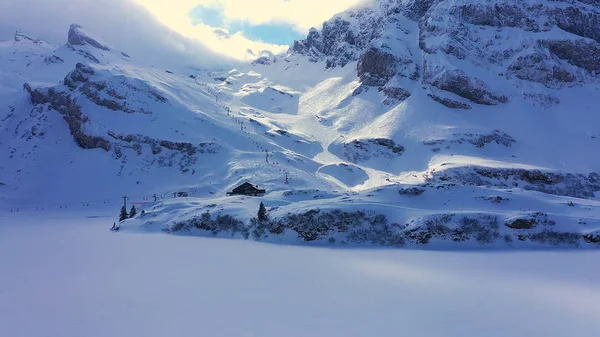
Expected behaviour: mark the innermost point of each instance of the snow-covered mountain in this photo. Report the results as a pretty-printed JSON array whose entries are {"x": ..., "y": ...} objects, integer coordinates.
[{"x": 433, "y": 113}]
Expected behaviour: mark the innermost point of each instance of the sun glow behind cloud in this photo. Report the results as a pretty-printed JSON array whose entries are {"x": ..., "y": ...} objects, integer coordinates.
[
  {"x": 236, "y": 27},
  {"x": 202, "y": 33}
]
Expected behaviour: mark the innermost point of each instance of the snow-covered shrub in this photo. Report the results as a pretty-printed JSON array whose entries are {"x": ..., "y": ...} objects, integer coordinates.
[
  {"x": 531, "y": 221},
  {"x": 483, "y": 229},
  {"x": 356, "y": 227},
  {"x": 592, "y": 238},
  {"x": 370, "y": 228},
  {"x": 222, "y": 224},
  {"x": 496, "y": 199},
  {"x": 411, "y": 191},
  {"x": 432, "y": 227},
  {"x": 555, "y": 238},
  {"x": 309, "y": 225},
  {"x": 521, "y": 223},
  {"x": 177, "y": 227},
  {"x": 380, "y": 234}
]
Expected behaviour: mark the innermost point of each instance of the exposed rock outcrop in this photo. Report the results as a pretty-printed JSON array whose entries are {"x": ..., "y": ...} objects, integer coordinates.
[
  {"x": 110, "y": 94},
  {"x": 338, "y": 43},
  {"x": 263, "y": 60},
  {"x": 566, "y": 184},
  {"x": 450, "y": 103},
  {"x": 376, "y": 67},
  {"x": 78, "y": 37},
  {"x": 394, "y": 94},
  {"x": 540, "y": 68},
  {"x": 477, "y": 139},
  {"x": 20, "y": 36},
  {"x": 359, "y": 150},
  {"x": 52, "y": 59},
  {"x": 158, "y": 144},
  {"x": 72, "y": 114},
  {"x": 459, "y": 83},
  {"x": 580, "y": 53},
  {"x": 577, "y": 20}
]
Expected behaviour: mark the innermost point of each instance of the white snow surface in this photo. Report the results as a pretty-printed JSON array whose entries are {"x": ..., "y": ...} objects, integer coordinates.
[{"x": 64, "y": 274}]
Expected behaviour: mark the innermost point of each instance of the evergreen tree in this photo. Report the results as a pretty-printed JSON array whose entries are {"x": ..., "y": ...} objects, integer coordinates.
[
  {"x": 124, "y": 214},
  {"x": 262, "y": 213},
  {"x": 133, "y": 211}
]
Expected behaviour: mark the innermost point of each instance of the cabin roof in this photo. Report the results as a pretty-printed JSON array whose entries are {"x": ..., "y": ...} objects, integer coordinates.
[{"x": 247, "y": 188}]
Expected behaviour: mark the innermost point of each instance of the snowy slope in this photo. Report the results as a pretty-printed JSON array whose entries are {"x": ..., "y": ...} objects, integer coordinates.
[
  {"x": 467, "y": 101},
  {"x": 143, "y": 129}
]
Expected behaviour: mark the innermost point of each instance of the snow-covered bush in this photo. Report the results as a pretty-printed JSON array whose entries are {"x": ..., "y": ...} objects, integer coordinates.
[
  {"x": 555, "y": 238},
  {"x": 483, "y": 229},
  {"x": 222, "y": 224},
  {"x": 592, "y": 238},
  {"x": 496, "y": 199},
  {"x": 370, "y": 228},
  {"x": 411, "y": 191},
  {"x": 531, "y": 221}
]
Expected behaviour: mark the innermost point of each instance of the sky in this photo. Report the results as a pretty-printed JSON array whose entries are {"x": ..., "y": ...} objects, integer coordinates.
[
  {"x": 236, "y": 26},
  {"x": 204, "y": 32}
]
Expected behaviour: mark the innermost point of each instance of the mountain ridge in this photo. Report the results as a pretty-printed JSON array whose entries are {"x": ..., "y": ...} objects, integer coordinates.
[{"x": 368, "y": 36}]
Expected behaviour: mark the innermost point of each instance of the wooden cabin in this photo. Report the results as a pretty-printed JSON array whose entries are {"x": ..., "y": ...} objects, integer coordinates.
[{"x": 247, "y": 189}]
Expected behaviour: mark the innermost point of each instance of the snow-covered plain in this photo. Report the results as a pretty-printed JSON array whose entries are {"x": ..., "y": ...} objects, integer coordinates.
[{"x": 64, "y": 274}]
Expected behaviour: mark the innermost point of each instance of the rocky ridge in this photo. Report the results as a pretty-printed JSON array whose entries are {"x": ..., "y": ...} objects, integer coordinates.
[{"x": 380, "y": 40}]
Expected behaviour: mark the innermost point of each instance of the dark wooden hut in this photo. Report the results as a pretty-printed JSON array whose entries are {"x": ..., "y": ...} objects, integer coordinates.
[{"x": 247, "y": 189}]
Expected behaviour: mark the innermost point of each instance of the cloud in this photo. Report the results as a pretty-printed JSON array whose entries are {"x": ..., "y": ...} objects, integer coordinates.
[
  {"x": 210, "y": 27},
  {"x": 302, "y": 14},
  {"x": 274, "y": 33},
  {"x": 234, "y": 44},
  {"x": 249, "y": 22},
  {"x": 221, "y": 34},
  {"x": 123, "y": 24},
  {"x": 155, "y": 29}
]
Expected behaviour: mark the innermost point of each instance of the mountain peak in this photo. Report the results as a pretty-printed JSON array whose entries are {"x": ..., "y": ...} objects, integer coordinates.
[
  {"x": 79, "y": 37},
  {"x": 20, "y": 36}
]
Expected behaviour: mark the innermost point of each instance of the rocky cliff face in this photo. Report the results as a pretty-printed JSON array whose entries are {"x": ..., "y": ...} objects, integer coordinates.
[
  {"x": 78, "y": 37},
  {"x": 458, "y": 51},
  {"x": 20, "y": 36},
  {"x": 112, "y": 93},
  {"x": 160, "y": 151},
  {"x": 72, "y": 113}
]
